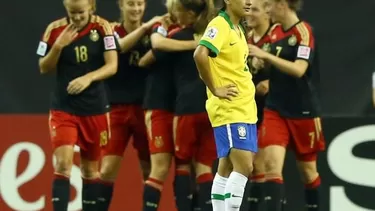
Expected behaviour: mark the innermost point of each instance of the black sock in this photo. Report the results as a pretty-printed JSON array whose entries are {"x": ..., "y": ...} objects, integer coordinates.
[
  {"x": 89, "y": 195},
  {"x": 256, "y": 196},
  {"x": 312, "y": 199},
  {"x": 195, "y": 201},
  {"x": 312, "y": 195},
  {"x": 273, "y": 195},
  {"x": 60, "y": 193},
  {"x": 183, "y": 192},
  {"x": 204, "y": 196},
  {"x": 104, "y": 195},
  {"x": 151, "y": 198}
]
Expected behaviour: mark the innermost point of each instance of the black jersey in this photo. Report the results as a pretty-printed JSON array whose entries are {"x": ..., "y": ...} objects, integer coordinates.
[
  {"x": 294, "y": 97},
  {"x": 128, "y": 85},
  {"x": 83, "y": 55},
  {"x": 191, "y": 93},
  {"x": 160, "y": 92},
  {"x": 260, "y": 75}
]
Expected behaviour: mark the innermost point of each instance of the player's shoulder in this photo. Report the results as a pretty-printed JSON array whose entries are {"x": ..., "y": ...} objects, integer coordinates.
[
  {"x": 185, "y": 33},
  {"x": 54, "y": 26},
  {"x": 115, "y": 25},
  {"x": 103, "y": 24},
  {"x": 218, "y": 21},
  {"x": 275, "y": 27},
  {"x": 303, "y": 28}
]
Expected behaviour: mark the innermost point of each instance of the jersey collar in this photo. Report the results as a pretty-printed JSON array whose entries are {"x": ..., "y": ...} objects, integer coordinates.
[{"x": 226, "y": 17}]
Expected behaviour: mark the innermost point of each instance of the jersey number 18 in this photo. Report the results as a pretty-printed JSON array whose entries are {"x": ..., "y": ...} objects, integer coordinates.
[{"x": 81, "y": 53}]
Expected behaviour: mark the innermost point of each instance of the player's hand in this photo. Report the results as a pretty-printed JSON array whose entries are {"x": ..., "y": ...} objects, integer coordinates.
[
  {"x": 67, "y": 36},
  {"x": 226, "y": 92},
  {"x": 257, "y": 63},
  {"x": 257, "y": 52},
  {"x": 79, "y": 84},
  {"x": 166, "y": 21},
  {"x": 151, "y": 22},
  {"x": 262, "y": 87}
]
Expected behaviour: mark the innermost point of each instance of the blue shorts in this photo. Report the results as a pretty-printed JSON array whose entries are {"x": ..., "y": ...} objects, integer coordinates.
[{"x": 237, "y": 135}]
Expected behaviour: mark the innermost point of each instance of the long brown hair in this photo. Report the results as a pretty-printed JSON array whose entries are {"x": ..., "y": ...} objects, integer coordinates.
[{"x": 204, "y": 9}]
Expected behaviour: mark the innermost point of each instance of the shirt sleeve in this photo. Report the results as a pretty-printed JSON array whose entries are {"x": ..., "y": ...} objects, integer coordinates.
[
  {"x": 306, "y": 43},
  {"x": 215, "y": 35},
  {"x": 46, "y": 41},
  {"x": 110, "y": 41}
]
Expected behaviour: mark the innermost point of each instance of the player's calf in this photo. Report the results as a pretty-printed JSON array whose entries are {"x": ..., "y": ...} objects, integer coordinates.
[
  {"x": 204, "y": 181},
  {"x": 90, "y": 187},
  {"x": 311, "y": 179},
  {"x": 274, "y": 186},
  {"x": 160, "y": 165},
  {"x": 182, "y": 186},
  {"x": 61, "y": 183},
  {"x": 110, "y": 166},
  {"x": 237, "y": 180}
]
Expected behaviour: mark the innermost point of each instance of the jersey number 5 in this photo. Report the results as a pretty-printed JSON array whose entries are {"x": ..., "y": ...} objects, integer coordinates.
[
  {"x": 278, "y": 50},
  {"x": 81, "y": 54}
]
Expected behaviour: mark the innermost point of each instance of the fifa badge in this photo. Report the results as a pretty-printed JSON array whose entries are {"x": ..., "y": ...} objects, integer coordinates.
[{"x": 94, "y": 36}]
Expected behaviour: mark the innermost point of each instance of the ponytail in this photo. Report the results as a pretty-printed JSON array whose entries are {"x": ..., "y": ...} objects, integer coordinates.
[{"x": 204, "y": 9}]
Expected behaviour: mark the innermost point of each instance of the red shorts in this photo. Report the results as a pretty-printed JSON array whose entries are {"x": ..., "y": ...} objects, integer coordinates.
[
  {"x": 159, "y": 130},
  {"x": 127, "y": 121},
  {"x": 87, "y": 132},
  {"x": 304, "y": 136},
  {"x": 194, "y": 138}
]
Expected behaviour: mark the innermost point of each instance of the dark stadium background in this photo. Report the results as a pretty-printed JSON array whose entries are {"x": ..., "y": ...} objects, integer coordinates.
[{"x": 346, "y": 35}]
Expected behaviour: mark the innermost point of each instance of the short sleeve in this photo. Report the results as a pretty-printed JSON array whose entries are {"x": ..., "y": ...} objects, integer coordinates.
[
  {"x": 306, "y": 43},
  {"x": 109, "y": 36},
  {"x": 215, "y": 35},
  {"x": 49, "y": 36}
]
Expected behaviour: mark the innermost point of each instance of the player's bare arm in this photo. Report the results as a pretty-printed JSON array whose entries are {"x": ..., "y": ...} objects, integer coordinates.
[
  {"x": 49, "y": 62},
  {"x": 296, "y": 68},
  {"x": 79, "y": 84},
  {"x": 147, "y": 59},
  {"x": 201, "y": 55},
  {"x": 262, "y": 87},
  {"x": 159, "y": 42},
  {"x": 128, "y": 42}
]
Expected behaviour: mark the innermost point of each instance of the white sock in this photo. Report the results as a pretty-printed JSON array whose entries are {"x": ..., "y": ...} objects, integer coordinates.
[
  {"x": 218, "y": 192},
  {"x": 234, "y": 191}
]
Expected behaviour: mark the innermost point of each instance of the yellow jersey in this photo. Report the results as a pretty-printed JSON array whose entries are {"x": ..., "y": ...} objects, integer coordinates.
[{"x": 228, "y": 65}]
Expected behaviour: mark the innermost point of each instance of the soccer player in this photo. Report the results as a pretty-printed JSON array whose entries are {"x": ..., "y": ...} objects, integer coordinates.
[
  {"x": 126, "y": 91},
  {"x": 81, "y": 49},
  {"x": 221, "y": 58},
  {"x": 259, "y": 21},
  {"x": 193, "y": 135},
  {"x": 292, "y": 110},
  {"x": 159, "y": 103}
]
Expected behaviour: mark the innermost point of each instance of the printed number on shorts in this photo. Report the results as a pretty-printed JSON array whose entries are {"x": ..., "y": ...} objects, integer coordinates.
[
  {"x": 314, "y": 136},
  {"x": 103, "y": 138},
  {"x": 134, "y": 58},
  {"x": 81, "y": 53}
]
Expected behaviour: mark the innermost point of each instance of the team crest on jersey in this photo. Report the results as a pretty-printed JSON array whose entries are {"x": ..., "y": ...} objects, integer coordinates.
[
  {"x": 159, "y": 141},
  {"x": 266, "y": 47},
  {"x": 292, "y": 41},
  {"x": 241, "y": 132},
  {"x": 94, "y": 36}
]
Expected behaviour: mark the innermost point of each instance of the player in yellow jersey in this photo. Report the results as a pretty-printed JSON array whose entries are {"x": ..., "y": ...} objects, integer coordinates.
[{"x": 221, "y": 58}]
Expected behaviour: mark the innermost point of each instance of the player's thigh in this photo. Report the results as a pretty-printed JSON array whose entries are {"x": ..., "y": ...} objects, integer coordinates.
[
  {"x": 139, "y": 133},
  {"x": 206, "y": 149},
  {"x": 184, "y": 136},
  {"x": 273, "y": 130},
  {"x": 119, "y": 130},
  {"x": 159, "y": 125},
  {"x": 307, "y": 138},
  {"x": 94, "y": 134}
]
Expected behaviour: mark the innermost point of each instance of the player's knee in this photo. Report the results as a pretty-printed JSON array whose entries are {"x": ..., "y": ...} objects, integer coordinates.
[
  {"x": 89, "y": 171},
  {"x": 272, "y": 168},
  {"x": 201, "y": 169},
  {"x": 242, "y": 161},
  {"x": 63, "y": 166},
  {"x": 308, "y": 171},
  {"x": 259, "y": 166},
  {"x": 225, "y": 167},
  {"x": 160, "y": 166}
]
